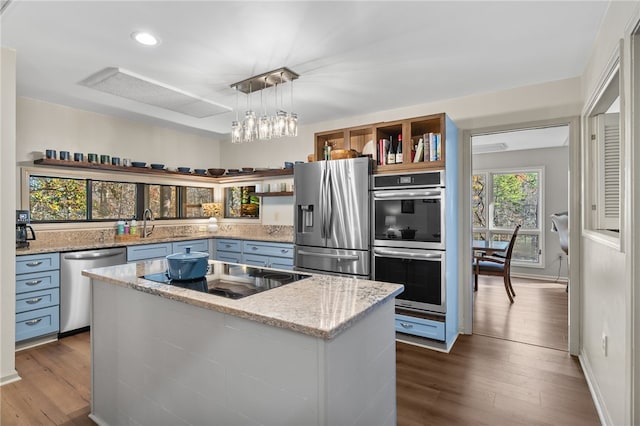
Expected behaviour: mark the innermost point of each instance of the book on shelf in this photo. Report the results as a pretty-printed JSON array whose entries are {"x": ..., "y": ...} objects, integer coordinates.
[{"x": 419, "y": 151}]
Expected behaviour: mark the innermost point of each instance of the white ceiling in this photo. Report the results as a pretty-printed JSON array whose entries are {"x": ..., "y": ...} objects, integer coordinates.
[
  {"x": 353, "y": 57},
  {"x": 546, "y": 137}
]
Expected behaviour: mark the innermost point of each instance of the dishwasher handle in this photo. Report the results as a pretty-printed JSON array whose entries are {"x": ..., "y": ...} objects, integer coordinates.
[{"x": 94, "y": 254}]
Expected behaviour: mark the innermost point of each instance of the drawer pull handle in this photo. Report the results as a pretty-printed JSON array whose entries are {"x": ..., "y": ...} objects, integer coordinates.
[
  {"x": 254, "y": 248},
  {"x": 406, "y": 325},
  {"x": 34, "y": 300},
  {"x": 284, "y": 251},
  {"x": 33, "y": 321},
  {"x": 36, "y": 263},
  {"x": 34, "y": 282}
]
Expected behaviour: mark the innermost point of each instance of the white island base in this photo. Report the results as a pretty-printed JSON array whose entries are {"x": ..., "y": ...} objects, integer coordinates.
[{"x": 157, "y": 361}]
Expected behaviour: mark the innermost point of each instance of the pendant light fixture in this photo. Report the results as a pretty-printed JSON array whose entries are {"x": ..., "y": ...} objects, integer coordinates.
[{"x": 266, "y": 127}]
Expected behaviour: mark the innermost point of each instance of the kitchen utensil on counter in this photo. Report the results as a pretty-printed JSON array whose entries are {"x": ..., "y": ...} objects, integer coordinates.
[
  {"x": 22, "y": 226},
  {"x": 188, "y": 265},
  {"x": 138, "y": 164},
  {"x": 339, "y": 154},
  {"x": 50, "y": 153},
  {"x": 184, "y": 169},
  {"x": 216, "y": 172},
  {"x": 157, "y": 166}
]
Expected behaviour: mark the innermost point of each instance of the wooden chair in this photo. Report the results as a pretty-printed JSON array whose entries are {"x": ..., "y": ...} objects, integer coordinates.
[{"x": 497, "y": 266}]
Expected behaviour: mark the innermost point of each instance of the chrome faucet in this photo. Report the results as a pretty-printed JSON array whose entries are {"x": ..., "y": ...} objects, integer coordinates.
[{"x": 146, "y": 214}]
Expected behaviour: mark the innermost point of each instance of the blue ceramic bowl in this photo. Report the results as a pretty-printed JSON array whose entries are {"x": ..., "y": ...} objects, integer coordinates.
[
  {"x": 184, "y": 169},
  {"x": 288, "y": 165},
  {"x": 138, "y": 164},
  {"x": 157, "y": 166},
  {"x": 200, "y": 171}
]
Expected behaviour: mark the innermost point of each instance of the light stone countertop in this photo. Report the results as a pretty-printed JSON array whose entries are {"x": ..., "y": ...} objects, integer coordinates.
[
  {"x": 321, "y": 306},
  {"x": 64, "y": 246}
]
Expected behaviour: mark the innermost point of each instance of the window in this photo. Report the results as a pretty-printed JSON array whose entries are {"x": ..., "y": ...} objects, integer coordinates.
[
  {"x": 603, "y": 159},
  {"x": 503, "y": 199},
  {"x": 240, "y": 202},
  {"x": 71, "y": 199},
  {"x": 112, "y": 200},
  {"x": 54, "y": 199}
]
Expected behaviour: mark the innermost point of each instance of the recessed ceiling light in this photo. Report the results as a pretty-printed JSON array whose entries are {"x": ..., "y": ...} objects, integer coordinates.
[{"x": 144, "y": 38}]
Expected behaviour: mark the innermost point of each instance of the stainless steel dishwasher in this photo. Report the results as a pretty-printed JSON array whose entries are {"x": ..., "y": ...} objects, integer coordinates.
[{"x": 75, "y": 289}]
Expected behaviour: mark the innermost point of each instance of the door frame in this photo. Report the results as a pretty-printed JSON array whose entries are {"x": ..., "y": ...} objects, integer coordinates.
[{"x": 574, "y": 189}]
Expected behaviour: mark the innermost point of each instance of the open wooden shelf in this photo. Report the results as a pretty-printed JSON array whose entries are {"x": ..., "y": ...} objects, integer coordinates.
[
  {"x": 239, "y": 177},
  {"x": 273, "y": 194}
]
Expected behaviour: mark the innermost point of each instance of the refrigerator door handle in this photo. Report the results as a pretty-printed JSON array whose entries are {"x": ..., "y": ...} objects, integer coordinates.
[
  {"x": 328, "y": 206},
  {"x": 322, "y": 206},
  {"x": 337, "y": 257}
]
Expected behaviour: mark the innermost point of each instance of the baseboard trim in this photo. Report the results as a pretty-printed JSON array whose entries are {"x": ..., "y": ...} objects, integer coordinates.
[
  {"x": 561, "y": 280},
  {"x": 425, "y": 343},
  {"x": 10, "y": 378},
  {"x": 601, "y": 409}
]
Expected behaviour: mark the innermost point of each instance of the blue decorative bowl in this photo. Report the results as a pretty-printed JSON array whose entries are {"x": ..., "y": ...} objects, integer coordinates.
[
  {"x": 157, "y": 166},
  {"x": 199, "y": 171},
  {"x": 184, "y": 169},
  {"x": 138, "y": 164}
]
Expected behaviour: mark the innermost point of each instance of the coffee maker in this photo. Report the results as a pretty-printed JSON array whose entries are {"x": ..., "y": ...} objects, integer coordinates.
[{"x": 22, "y": 225}]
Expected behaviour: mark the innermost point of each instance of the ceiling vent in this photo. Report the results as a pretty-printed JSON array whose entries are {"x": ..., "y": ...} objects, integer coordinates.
[{"x": 126, "y": 84}]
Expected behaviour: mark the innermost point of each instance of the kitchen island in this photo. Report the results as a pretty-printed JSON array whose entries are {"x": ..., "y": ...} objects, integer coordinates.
[{"x": 318, "y": 351}]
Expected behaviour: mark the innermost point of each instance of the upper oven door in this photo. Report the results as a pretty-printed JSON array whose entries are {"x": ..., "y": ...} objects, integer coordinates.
[{"x": 411, "y": 218}]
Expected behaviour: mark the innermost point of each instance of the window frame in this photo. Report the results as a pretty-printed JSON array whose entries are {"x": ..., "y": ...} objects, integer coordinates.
[
  {"x": 489, "y": 209},
  {"x": 591, "y": 159},
  {"x": 109, "y": 176}
]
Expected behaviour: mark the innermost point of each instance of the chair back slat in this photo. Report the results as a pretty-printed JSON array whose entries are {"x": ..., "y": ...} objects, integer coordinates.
[{"x": 512, "y": 243}]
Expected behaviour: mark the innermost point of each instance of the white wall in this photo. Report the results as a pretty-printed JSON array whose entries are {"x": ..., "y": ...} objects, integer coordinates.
[
  {"x": 42, "y": 125},
  {"x": 606, "y": 272},
  {"x": 556, "y": 190},
  {"x": 7, "y": 214}
]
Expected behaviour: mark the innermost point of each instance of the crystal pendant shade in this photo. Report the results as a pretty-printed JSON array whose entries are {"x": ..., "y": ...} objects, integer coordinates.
[{"x": 267, "y": 126}]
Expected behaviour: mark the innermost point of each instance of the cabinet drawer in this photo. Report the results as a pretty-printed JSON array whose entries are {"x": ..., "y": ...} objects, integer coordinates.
[
  {"x": 268, "y": 249},
  {"x": 281, "y": 263},
  {"x": 37, "y": 263},
  {"x": 37, "y": 323},
  {"x": 228, "y": 257},
  {"x": 420, "y": 327},
  {"x": 37, "y": 300},
  {"x": 253, "y": 260},
  {"x": 37, "y": 281},
  {"x": 229, "y": 245},
  {"x": 148, "y": 251},
  {"x": 196, "y": 245}
]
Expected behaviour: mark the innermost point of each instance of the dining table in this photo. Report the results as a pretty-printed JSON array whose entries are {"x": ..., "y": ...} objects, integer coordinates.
[{"x": 490, "y": 247}]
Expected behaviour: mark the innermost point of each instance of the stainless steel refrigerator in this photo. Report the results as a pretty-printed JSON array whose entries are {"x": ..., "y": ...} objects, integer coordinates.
[{"x": 332, "y": 216}]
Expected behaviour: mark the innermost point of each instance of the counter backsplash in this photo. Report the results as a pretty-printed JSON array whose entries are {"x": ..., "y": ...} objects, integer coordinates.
[{"x": 68, "y": 239}]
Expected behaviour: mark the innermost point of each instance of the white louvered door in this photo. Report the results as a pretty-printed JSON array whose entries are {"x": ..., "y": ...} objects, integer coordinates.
[{"x": 608, "y": 199}]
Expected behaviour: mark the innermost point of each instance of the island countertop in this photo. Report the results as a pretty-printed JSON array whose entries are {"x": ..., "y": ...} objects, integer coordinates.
[{"x": 321, "y": 306}]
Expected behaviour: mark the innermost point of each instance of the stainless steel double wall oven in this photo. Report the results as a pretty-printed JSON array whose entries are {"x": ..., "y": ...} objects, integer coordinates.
[{"x": 408, "y": 231}]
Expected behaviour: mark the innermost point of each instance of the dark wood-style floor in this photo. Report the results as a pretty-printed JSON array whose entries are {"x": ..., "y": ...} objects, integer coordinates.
[
  {"x": 538, "y": 316},
  {"x": 484, "y": 380}
]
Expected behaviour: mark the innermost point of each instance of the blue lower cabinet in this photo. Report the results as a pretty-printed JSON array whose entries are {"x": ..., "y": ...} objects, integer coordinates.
[
  {"x": 36, "y": 323},
  {"x": 229, "y": 257},
  {"x": 420, "y": 327},
  {"x": 37, "y": 300}
]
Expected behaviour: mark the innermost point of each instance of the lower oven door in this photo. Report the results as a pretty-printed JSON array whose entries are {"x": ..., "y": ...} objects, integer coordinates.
[{"x": 422, "y": 272}]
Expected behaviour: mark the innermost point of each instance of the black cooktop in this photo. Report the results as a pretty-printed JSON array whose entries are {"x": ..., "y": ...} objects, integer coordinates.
[{"x": 232, "y": 280}]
